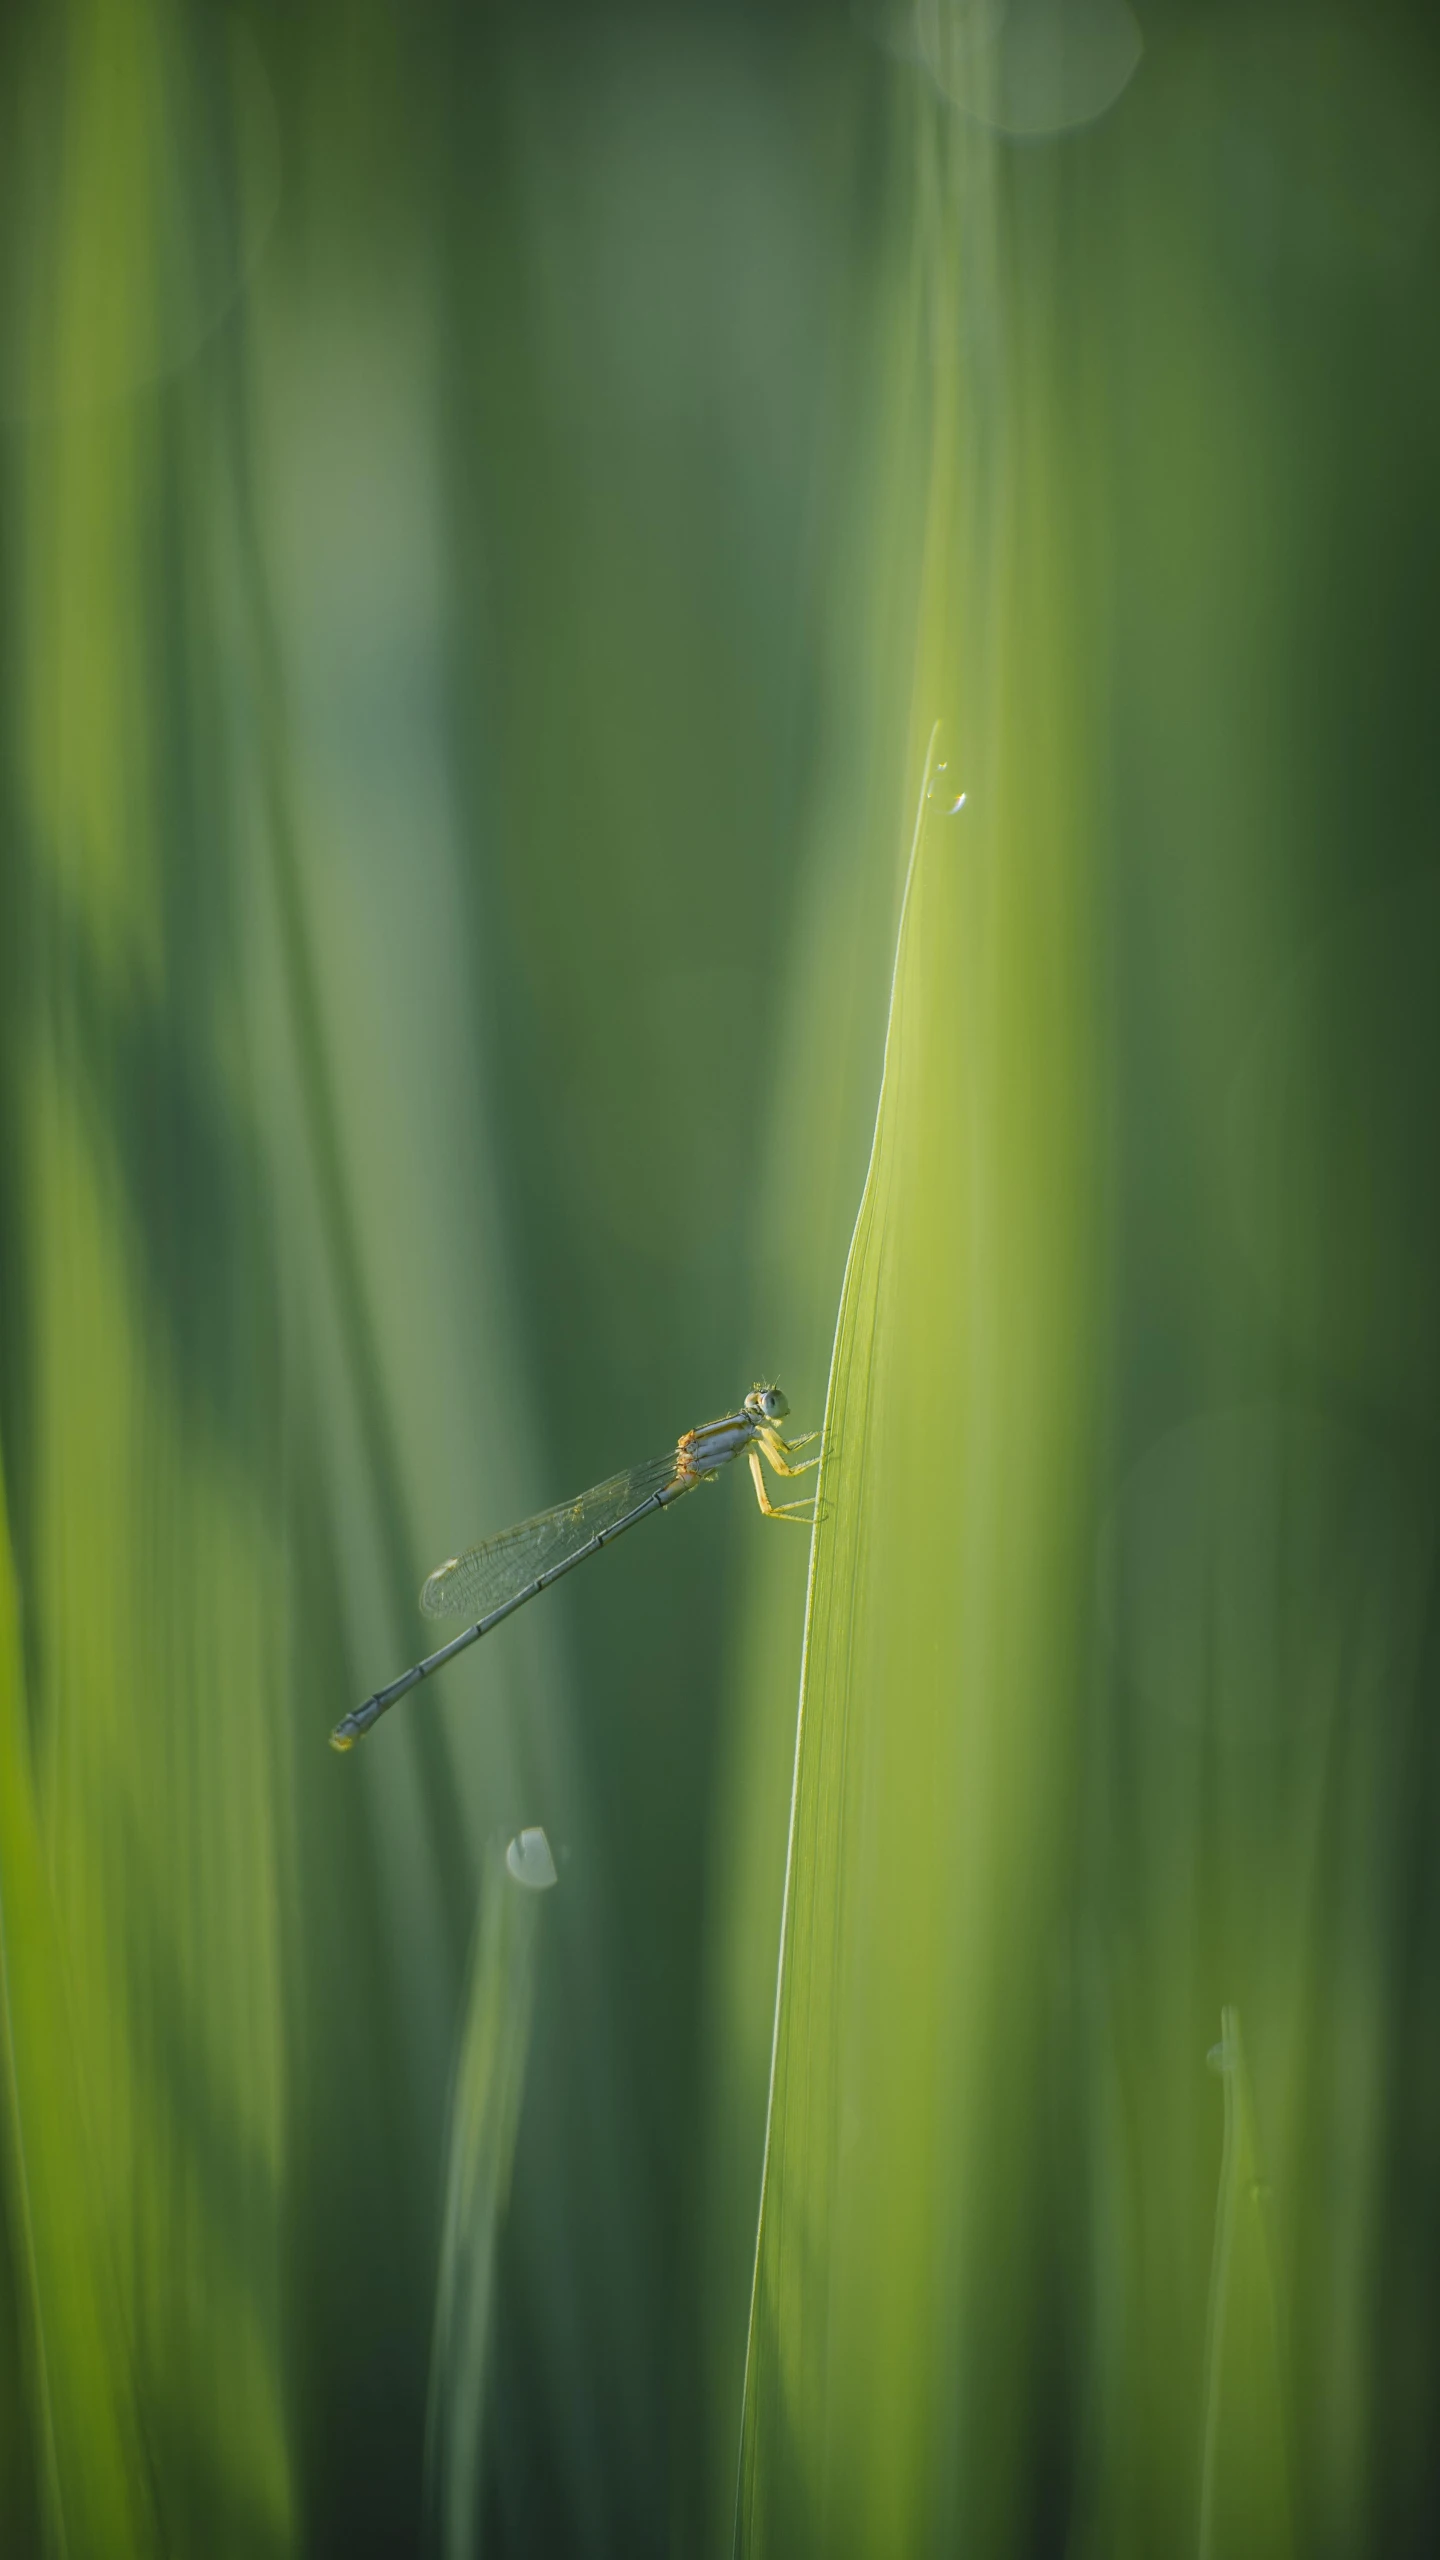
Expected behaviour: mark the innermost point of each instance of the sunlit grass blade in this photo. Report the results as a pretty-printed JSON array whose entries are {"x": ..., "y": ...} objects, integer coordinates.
[
  {"x": 799, "y": 2166},
  {"x": 892, "y": 2303}
]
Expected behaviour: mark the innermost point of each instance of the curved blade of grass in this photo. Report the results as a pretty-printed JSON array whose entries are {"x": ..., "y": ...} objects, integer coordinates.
[
  {"x": 893, "y": 2305},
  {"x": 832, "y": 1570}
]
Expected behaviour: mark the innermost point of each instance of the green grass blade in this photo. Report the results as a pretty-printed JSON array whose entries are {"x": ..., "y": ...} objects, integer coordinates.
[
  {"x": 485, "y": 2101},
  {"x": 892, "y": 2304},
  {"x": 1244, "y": 2491},
  {"x": 94, "y": 2486}
]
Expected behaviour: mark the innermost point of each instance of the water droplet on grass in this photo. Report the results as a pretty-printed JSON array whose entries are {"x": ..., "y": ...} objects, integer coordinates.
[{"x": 529, "y": 1861}]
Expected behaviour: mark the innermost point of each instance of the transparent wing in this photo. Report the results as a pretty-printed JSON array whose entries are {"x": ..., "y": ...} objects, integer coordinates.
[{"x": 469, "y": 1586}]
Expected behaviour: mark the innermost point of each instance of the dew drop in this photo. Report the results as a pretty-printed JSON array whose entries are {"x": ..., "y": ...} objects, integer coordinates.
[{"x": 529, "y": 1861}]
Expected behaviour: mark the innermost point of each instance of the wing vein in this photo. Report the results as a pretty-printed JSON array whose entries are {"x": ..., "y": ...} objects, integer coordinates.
[{"x": 485, "y": 1577}]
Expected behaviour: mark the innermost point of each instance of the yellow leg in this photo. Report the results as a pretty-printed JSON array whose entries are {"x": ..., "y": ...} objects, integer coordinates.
[
  {"x": 778, "y": 1453},
  {"x": 799, "y": 1511}
]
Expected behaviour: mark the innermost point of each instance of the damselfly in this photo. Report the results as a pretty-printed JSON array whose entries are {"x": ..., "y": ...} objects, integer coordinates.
[{"x": 498, "y": 1578}]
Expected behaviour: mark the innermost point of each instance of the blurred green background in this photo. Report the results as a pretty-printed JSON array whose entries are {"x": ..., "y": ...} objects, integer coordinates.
[{"x": 493, "y": 503}]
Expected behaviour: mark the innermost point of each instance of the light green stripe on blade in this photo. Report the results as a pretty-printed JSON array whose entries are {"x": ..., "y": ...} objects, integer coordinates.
[{"x": 92, "y": 2479}]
